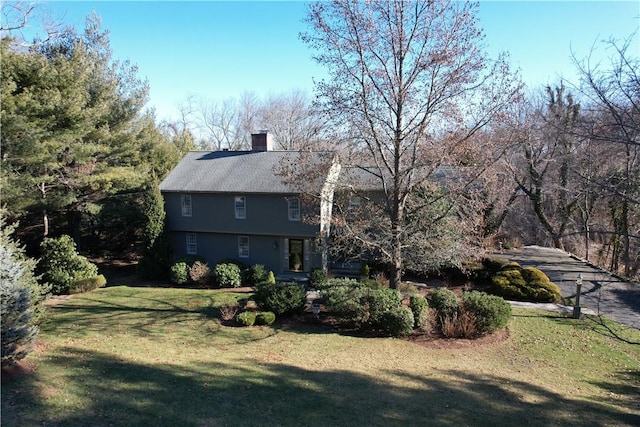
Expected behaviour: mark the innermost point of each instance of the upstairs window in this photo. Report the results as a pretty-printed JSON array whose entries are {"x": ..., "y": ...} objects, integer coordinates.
[
  {"x": 243, "y": 246},
  {"x": 192, "y": 244},
  {"x": 185, "y": 201},
  {"x": 240, "y": 205},
  {"x": 294, "y": 209}
]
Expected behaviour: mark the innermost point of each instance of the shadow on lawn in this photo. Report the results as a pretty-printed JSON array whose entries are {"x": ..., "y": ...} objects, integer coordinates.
[{"x": 103, "y": 390}]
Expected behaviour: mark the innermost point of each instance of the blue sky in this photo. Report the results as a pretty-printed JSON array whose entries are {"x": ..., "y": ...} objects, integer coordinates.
[{"x": 217, "y": 50}]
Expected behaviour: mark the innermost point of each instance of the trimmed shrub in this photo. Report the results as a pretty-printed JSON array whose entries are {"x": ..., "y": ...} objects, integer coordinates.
[
  {"x": 444, "y": 302},
  {"x": 380, "y": 301},
  {"x": 398, "y": 321},
  {"x": 61, "y": 265},
  {"x": 344, "y": 299},
  {"x": 317, "y": 278},
  {"x": 227, "y": 275},
  {"x": 179, "y": 273},
  {"x": 491, "y": 312},
  {"x": 524, "y": 284},
  {"x": 285, "y": 298},
  {"x": 542, "y": 288},
  {"x": 420, "y": 309},
  {"x": 246, "y": 318},
  {"x": 86, "y": 285},
  {"x": 254, "y": 274},
  {"x": 265, "y": 318}
]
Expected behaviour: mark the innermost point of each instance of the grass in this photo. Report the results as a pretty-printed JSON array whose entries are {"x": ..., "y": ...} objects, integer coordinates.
[{"x": 158, "y": 356}]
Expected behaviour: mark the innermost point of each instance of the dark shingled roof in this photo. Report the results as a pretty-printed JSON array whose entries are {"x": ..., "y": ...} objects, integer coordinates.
[{"x": 237, "y": 171}]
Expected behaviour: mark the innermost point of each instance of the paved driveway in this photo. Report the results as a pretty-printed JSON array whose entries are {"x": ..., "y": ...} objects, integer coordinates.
[{"x": 601, "y": 292}]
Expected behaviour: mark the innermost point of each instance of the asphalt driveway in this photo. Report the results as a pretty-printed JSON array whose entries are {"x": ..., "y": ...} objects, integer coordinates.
[{"x": 602, "y": 292}]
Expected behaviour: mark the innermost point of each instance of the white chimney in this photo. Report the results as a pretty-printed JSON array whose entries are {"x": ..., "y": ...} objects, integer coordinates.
[{"x": 261, "y": 141}]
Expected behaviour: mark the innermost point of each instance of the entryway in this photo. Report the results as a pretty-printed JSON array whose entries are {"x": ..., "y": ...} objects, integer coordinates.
[{"x": 296, "y": 254}]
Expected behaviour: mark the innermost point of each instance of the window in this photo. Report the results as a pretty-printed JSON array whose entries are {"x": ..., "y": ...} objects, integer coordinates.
[
  {"x": 294, "y": 209},
  {"x": 240, "y": 207},
  {"x": 192, "y": 245},
  {"x": 243, "y": 246},
  {"x": 186, "y": 204}
]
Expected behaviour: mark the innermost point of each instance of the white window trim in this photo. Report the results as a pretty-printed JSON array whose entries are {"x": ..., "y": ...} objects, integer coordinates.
[
  {"x": 192, "y": 243},
  {"x": 243, "y": 247},
  {"x": 186, "y": 204},
  {"x": 240, "y": 212},
  {"x": 294, "y": 212}
]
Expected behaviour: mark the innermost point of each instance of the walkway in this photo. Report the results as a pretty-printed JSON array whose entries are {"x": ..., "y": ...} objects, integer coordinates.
[{"x": 601, "y": 292}]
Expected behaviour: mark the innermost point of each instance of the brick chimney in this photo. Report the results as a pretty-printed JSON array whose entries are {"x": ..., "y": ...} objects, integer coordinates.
[{"x": 261, "y": 141}]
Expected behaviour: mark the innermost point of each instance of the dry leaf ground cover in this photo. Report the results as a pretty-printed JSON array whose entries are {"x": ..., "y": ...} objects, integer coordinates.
[{"x": 158, "y": 356}]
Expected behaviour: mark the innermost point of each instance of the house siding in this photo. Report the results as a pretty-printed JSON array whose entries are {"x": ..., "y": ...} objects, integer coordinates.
[
  {"x": 217, "y": 229},
  {"x": 266, "y": 215}
]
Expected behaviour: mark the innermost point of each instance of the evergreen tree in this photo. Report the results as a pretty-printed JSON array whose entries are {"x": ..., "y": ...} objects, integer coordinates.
[
  {"x": 39, "y": 290},
  {"x": 74, "y": 135},
  {"x": 156, "y": 248},
  {"x": 22, "y": 298}
]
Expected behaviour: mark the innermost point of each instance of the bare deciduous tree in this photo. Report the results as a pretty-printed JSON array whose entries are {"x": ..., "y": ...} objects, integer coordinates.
[
  {"x": 411, "y": 83},
  {"x": 612, "y": 93}
]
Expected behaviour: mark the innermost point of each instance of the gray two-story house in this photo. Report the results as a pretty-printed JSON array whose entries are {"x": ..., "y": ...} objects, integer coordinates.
[{"x": 252, "y": 206}]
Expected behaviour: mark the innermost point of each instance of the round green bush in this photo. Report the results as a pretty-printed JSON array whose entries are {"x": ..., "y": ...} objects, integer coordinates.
[
  {"x": 179, "y": 273},
  {"x": 246, "y": 318},
  {"x": 491, "y": 312},
  {"x": 420, "y": 309},
  {"x": 227, "y": 275},
  {"x": 524, "y": 284},
  {"x": 380, "y": 301},
  {"x": 444, "y": 301},
  {"x": 541, "y": 287},
  {"x": 397, "y": 322},
  {"x": 265, "y": 318},
  {"x": 285, "y": 298}
]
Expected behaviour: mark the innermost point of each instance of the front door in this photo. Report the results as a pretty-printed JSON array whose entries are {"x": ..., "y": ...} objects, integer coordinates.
[{"x": 296, "y": 254}]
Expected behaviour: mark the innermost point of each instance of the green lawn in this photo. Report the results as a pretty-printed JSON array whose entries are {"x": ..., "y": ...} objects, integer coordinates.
[{"x": 159, "y": 357}]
